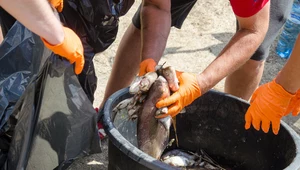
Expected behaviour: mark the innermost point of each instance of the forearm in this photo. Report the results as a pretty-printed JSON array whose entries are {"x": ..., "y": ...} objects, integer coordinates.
[
  {"x": 37, "y": 16},
  {"x": 236, "y": 53},
  {"x": 289, "y": 77},
  {"x": 239, "y": 49},
  {"x": 156, "y": 25}
]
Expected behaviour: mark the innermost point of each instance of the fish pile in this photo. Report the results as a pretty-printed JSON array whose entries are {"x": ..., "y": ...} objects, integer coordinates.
[{"x": 153, "y": 134}]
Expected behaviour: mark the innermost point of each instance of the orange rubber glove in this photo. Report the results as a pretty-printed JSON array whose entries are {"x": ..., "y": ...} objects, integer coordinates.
[
  {"x": 294, "y": 106},
  {"x": 268, "y": 105},
  {"x": 146, "y": 66},
  {"x": 71, "y": 48},
  {"x": 57, "y": 4},
  {"x": 189, "y": 90}
]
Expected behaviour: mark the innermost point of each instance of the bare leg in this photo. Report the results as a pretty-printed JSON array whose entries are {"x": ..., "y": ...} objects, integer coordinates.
[
  {"x": 245, "y": 80},
  {"x": 126, "y": 63}
]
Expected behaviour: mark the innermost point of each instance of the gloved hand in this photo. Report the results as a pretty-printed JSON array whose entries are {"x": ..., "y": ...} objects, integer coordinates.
[
  {"x": 189, "y": 90},
  {"x": 57, "y": 4},
  {"x": 146, "y": 66},
  {"x": 268, "y": 105},
  {"x": 294, "y": 105},
  {"x": 71, "y": 48}
]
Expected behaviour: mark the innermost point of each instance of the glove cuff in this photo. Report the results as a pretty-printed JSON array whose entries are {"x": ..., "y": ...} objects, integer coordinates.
[
  {"x": 50, "y": 46},
  {"x": 57, "y": 46},
  {"x": 57, "y": 49},
  {"x": 57, "y": 4},
  {"x": 148, "y": 62},
  {"x": 147, "y": 65},
  {"x": 279, "y": 90}
]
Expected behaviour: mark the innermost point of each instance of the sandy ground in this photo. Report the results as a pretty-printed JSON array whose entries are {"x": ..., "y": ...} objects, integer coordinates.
[{"x": 192, "y": 48}]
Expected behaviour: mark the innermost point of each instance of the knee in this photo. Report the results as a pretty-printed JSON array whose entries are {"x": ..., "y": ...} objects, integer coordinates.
[{"x": 252, "y": 67}]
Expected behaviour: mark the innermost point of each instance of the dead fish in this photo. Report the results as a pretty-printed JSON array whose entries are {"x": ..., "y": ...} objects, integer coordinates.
[
  {"x": 142, "y": 83},
  {"x": 133, "y": 112},
  {"x": 147, "y": 81},
  {"x": 135, "y": 85},
  {"x": 163, "y": 110},
  {"x": 153, "y": 134},
  {"x": 170, "y": 74},
  {"x": 186, "y": 160},
  {"x": 123, "y": 104},
  {"x": 178, "y": 158},
  {"x": 178, "y": 161},
  {"x": 134, "y": 101}
]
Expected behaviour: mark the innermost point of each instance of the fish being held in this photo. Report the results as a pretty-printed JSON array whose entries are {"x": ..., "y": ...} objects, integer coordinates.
[
  {"x": 152, "y": 133},
  {"x": 169, "y": 73}
]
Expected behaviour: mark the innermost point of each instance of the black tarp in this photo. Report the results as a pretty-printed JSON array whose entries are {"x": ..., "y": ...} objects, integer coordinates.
[{"x": 47, "y": 120}]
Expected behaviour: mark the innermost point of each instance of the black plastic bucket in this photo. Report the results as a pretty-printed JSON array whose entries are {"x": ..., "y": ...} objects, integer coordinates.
[{"x": 214, "y": 123}]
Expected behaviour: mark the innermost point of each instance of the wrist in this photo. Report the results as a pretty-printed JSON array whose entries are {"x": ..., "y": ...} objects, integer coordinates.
[
  {"x": 285, "y": 83},
  {"x": 148, "y": 60},
  {"x": 57, "y": 38},
  {"x": 54, "y": 45},
  {"x": 281, "y": 91},
  {"x": 202, "y": 83}
]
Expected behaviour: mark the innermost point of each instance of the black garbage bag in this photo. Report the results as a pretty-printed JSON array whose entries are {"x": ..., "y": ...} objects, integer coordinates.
[
  {"x": 6, "y": 21},
  {"x": 53, "y": 122},
  {"x": 21, "y": 56},
  {"x": 56, "y": 121},
  {"x": 95, "y": 22}
]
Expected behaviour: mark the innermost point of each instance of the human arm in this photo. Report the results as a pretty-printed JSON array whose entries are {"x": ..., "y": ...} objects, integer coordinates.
[
  {"x": 288, "y": 77},
  {"x": 38, "y": 16},
  {"x": 155, "y": 29},
  {"x": 271, "y": 101},
  {"x": 239, "y": 49}
]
